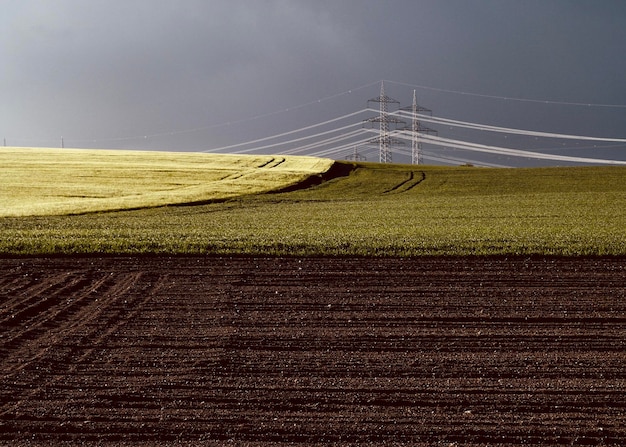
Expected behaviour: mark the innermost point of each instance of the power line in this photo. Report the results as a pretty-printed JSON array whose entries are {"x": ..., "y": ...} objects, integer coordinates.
[
  {"x": 347, "y": 136},
  {"x": 385, "y": 136},
  {"x": 509, "y": 130},
  {"x": 232, "y": 122},
  {"x": 321, "y": 100},
  {"x": 341, "y": 138},
  {"x": 508, "y": 98},
  {"x": 446, "y": 142},
  {"x": 271, "y": 137},
  {"x": 363, "y": 143}
]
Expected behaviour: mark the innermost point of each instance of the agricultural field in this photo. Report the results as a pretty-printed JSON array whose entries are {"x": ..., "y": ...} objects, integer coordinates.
[
  {"x": 37, "y": 181},
  {"x": 226, "y": 300},
  {"x": 367, "y": 209},
  {"x": 270, "y": 351}
]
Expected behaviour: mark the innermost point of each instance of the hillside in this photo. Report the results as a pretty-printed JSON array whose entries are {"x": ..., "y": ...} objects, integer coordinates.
[
  {"x": 38, "y": 181},
  {"x": 376, "y": 210}
]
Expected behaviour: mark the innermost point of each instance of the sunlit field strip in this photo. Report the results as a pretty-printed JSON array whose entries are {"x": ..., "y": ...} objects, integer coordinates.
[
  {"x": 70, "y": 181},
  {"x": 378, "y": 210}
]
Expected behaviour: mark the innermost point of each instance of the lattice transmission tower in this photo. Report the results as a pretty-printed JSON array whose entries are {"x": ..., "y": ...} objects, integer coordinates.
[
  {"x": 417, "y": 128},
  {"x": 384, "y": 139},
  {"x": 355, "y": 155}
]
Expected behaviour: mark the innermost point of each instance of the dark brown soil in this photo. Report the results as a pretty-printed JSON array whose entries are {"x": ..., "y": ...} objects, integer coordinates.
[{"x": 341, "y": 351}]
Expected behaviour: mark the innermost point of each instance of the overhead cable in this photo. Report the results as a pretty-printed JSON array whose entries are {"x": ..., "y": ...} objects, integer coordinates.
[
  {"x": 509, "y": 130},
  {"x": 291, "y": 132},
  {"x": 446, "y": 142},
  {"x": 508, "y": 98}
]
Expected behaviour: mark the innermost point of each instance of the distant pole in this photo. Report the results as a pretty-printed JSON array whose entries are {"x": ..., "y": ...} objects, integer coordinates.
[
  {"x": 5, "y": 142},
  {"x": 355, "y": 155},
  {"x": 62, "y": 143}
]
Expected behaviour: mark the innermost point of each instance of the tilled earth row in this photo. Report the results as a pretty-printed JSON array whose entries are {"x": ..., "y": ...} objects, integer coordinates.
[{"x": 270, "y": 351}]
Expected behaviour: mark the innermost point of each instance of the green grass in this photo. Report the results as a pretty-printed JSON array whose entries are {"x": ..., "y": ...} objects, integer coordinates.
[{"x": 377, "y": 210}]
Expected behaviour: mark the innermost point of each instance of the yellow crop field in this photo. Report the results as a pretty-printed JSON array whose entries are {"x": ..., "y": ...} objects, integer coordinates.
[{"x": 39, "y": 181}]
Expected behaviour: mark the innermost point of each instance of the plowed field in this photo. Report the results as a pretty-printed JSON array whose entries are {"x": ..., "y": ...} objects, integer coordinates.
[{"x": 342, "y": 351}]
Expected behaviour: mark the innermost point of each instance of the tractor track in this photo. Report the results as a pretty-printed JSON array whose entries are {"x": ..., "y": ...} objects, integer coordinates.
[
  {"x": 413, "y": 179},
  {"x": 312, "y": 351}
]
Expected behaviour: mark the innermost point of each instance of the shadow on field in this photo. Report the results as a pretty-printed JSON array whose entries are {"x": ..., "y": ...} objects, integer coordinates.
[{"x": 338, "y": 169}]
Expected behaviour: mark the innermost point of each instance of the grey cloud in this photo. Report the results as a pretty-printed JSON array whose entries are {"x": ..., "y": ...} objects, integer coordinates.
[{"x": 110, "y": 68}]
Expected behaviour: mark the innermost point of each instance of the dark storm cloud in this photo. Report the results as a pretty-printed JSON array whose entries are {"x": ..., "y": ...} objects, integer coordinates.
[
  {"x": 153, "y": 64},
  {"x": 103, "y": 69}
]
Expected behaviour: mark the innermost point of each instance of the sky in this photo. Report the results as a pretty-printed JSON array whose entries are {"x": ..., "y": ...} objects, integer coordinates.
[{"x": 202, "y": 75}]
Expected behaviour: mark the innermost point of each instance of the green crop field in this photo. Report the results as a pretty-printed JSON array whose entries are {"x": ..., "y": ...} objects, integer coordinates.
[{"x": 376, "y": 210}]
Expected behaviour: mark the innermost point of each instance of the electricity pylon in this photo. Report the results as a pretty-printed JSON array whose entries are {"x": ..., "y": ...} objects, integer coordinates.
[
  {"x": 384, "y": 139},
  {"x": 417, "y": 128},
  {"x": 355, "y": 155}
]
